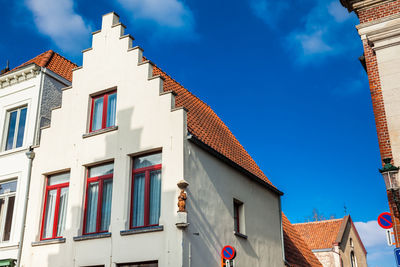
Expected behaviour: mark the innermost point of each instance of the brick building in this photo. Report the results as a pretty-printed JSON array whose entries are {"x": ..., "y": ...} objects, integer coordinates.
[{"x": 379, "y": 30}]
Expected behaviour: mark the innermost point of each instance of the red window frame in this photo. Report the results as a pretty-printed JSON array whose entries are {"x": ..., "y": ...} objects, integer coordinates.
[
  {"x": 105, "y": 110},
  {"x": 146, "y": 171},
  {"x": 57, "y": 208},
  {"x": 101, "y": 180},
  {"x": 236, "y": 211}
]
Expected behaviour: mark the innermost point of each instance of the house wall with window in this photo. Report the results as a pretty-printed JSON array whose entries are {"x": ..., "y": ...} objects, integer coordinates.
[
  {"x": 138, "y": 135},
  {"x": 20, "y": 91},
  {"x": 215, "y": 189}
]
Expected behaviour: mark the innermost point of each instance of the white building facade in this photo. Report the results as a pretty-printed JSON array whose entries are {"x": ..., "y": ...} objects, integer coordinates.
[
  {"x": 26, "y": 96},
  {"x": 104, "y": 179}
]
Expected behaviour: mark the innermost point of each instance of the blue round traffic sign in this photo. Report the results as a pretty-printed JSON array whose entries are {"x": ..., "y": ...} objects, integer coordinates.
[
  {"x": 385, "y": 220},
  {"x": 228, "y": 253}
]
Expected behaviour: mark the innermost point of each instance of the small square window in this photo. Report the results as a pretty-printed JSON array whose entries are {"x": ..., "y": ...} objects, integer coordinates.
[
  {"x": 103, "y": 111},
  {"x": 55, "y": 206},
  {"x": 15, "y": 128},
  {"x": 98, "y": 199},
  {"x": 238, "y": 216},
  {"x": 139, "y": 264}
]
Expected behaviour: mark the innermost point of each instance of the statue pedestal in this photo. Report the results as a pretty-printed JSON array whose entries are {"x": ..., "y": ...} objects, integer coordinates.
[{"x": 181, "y": 220}]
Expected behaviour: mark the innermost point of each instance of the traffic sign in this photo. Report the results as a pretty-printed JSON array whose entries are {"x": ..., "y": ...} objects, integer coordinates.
[
  {"x": 228, "y": 253},
  {"x": 385, "y": 220},
  {"x": 397, "y": 256}
]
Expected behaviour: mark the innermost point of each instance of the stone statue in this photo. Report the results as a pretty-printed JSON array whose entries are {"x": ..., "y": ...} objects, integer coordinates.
[{"x": 182, "y": 201}]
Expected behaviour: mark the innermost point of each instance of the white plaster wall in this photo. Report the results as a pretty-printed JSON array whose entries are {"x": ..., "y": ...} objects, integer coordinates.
[
  {"x": 327, "y": 258},
  {"x": 145, "y": 122},
  {"x": 389, "y": 71},
  {"x": 14, "y": 163},
  {"x": 213, "y": 186}
]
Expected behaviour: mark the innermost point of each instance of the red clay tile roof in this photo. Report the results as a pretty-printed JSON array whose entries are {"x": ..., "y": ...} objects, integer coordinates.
[
  {"x": 297, "y": 253},
  {"x": 206, "y": 126},
  {"x": 320, "y": 234},
  {"x": 54, "y": 62}
]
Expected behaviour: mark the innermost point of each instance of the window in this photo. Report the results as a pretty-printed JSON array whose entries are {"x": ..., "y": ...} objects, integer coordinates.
[
  {"x": 15, "y": 127},
  {"x": 98, "y": 199},
  {"x": 139, "y": 264},
  {"x": 55, "y": 206},
  {"x": 146, "y": 191},
  {"x": 103, "y": 111},
  {"x": 238, "y": 216},
  {"x": 7, "y": 200},
  {"x": 353, "y": 259}
]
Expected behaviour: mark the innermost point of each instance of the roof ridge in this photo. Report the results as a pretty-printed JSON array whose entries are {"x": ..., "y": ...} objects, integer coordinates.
[{"x": 323, "y": 221}]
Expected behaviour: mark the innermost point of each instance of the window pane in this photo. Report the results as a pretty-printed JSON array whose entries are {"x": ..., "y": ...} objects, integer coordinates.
[
  {"x": 49, "y": 214},
  {"x": 106, "y": 205},
  {"x": 11, "y": 129},
  {"x": 101, "y": 170},
  {"x": 58, "y": 178},
  {"x": 10, "y": 212},
  {"x": 62, "y": 213},
  {"x": 2, "y": 211},
  {"x": 111, "y": 109},
  {"x": 97, "y": 114},
  {"x": 8, "y": 187},
  {"x": 146, "y": 161},
  {"x": 21, "y": 127},
  {"x": 138, "y": 200},
  {"x": 91, "y": 213},
  {"x": 155, "y": 196},
  {"x": 236, "y": 216}
]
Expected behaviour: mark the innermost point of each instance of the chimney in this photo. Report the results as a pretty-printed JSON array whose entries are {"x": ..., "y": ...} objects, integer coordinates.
[{"x": 6, "y": 69}]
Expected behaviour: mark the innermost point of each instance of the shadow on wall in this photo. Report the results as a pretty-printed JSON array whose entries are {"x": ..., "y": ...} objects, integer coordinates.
[
  {"x": 204, "y": 239},
  {"x": 69, "y": 253}
]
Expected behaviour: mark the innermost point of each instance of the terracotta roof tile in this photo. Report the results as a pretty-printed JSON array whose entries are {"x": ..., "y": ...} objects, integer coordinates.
[
  {"x": 54, "y": 62},
  {"x": 297, "y": 253},
  {"x": 320, "y": 234},
  {"x": 205, "y": 125}
]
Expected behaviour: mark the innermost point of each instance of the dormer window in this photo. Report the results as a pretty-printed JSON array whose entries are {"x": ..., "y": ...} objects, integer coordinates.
[{"x": 103, "y": 111}]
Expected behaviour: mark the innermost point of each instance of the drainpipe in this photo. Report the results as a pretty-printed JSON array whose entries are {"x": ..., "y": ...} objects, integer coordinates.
[
  {"x": 30, "y": 155},
  {"x": 282, "y": 239}
]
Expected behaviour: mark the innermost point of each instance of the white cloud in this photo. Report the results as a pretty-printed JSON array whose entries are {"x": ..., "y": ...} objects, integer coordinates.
[
  {"x": 338, "y": 12},
  {"x": 269, "y": 11},
  {"x": 169, "y": 16},
  {"x": 58, "y": 20}
]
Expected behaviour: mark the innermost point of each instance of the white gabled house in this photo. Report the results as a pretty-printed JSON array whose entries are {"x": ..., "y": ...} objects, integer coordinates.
[
  {"x": 126, "y": 143},
  {"x": 27, "y": 95}
]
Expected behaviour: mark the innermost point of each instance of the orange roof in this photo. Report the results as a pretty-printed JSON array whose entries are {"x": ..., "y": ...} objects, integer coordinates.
[
  {"x": 297, "y": 253},
  {"x": 54, "y": 62},
  {"x": 320, "y": 234},
  {"x": 206, "y": 126}
]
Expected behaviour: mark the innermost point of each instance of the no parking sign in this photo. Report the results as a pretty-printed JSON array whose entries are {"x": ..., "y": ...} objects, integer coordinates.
[{"x": 385, "y": 220}]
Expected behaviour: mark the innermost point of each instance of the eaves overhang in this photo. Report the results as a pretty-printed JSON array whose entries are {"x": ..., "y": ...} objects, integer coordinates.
[
  {"x": 233, "y": 164},
  {"x": 21, "y": 74}
]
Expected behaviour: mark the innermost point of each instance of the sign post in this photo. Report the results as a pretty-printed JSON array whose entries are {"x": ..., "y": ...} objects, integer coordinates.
[
  {"x": 385, "y": 220},
  {"x": 389, "y": 237},
  {"x": 228, "y": 253}
]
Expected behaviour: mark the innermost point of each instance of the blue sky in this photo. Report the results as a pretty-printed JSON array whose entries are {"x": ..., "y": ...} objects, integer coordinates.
[{"x": 283, "y": 75}]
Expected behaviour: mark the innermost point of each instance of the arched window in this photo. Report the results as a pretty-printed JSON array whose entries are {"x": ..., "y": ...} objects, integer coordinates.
[{"x": 353, "y": 259}]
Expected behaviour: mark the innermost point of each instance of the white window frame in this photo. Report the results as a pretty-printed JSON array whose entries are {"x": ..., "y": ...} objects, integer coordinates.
[
  {"x": 6, "y": 198},
  {"x": 7, "y": 125}
]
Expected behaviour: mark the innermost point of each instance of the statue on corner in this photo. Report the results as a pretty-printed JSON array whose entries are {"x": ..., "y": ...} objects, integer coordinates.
[{"x": 182, "y": 201}]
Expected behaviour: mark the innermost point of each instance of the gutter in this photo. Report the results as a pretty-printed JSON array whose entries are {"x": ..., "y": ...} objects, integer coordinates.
[
  {"x": 30, "y": 155},
  {"x": 233, "y": 164}
]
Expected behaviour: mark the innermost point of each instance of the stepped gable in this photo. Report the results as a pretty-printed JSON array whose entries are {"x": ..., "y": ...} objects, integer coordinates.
[
  {"x": 297, "y": 252},
  {"x": 54, "y": 62},
  {"x": 320, "y": 234},
  {"x": 206, "y": 126}
]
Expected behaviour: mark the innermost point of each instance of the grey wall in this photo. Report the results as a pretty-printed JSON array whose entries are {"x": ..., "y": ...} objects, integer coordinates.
[{"x": 213, "y": 186}]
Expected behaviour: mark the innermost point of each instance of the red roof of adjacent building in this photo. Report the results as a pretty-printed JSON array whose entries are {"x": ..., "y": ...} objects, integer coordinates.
[
  {"x": 297, "y": 252},
  {"x": 54, "y": 62},
  {"x": 206, "y": 126},
  {"x": 324, "y": 234}
]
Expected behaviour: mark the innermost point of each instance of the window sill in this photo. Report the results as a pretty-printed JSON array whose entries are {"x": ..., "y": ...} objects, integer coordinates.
[
  {"x": 13, "y": 150},
  {"x": 240, "y": 235},
  {"x": 48, "y": 242},
  {"x": 106, "y": 130},
  {"x": 142, "y": 230},
  {"x": 92, "y": 236}
]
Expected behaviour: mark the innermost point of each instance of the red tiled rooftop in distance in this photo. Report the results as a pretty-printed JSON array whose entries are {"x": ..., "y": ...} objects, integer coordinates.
[
  {"x": 320, "y": 234},
  {"x": 297, "y": 252},
  {"x": 54, "y": 62}
]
